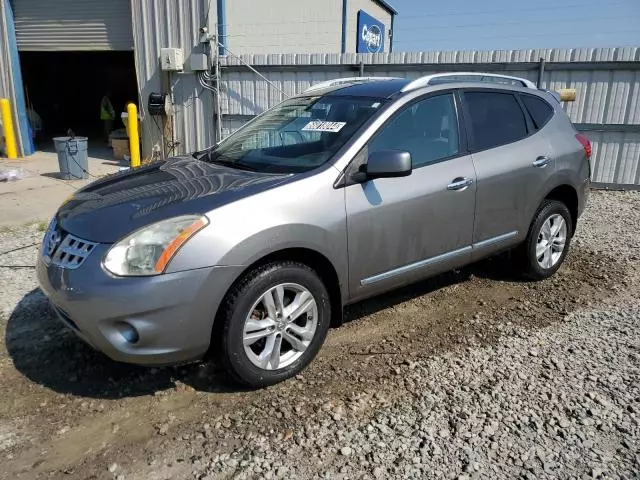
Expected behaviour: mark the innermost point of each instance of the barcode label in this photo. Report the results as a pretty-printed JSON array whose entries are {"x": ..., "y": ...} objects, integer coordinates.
[{"x": 322, "y": 126}]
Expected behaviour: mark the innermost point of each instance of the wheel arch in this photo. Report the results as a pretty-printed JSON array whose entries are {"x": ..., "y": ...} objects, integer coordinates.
[
  {"x": 307, "y": 256},
  {"x": 568, "y": 195}
]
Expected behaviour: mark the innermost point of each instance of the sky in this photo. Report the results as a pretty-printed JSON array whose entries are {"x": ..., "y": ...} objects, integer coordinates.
[{"x": 423, "y": 25}]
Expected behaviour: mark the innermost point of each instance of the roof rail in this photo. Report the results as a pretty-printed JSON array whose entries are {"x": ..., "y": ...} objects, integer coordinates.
[
  {"x": 345, "y": 80},
  {"x": 467, "y": 77}
]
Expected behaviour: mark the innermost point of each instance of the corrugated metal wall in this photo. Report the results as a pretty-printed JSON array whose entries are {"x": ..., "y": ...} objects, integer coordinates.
[
  {"x": 6, "y": 80},
  {"x": 616, "y": 157},
  {"x": 607, "y": 81},
  {"x": 11, "y": 79},
  {"x": 176, "y": 23}
]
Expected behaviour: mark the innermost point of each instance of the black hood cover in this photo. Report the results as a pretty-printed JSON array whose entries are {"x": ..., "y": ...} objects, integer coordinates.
[{"x": 112, "y": 207}]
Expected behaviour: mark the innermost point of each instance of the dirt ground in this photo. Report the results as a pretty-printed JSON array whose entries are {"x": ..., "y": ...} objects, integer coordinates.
[{"x": 67, "y": 411}]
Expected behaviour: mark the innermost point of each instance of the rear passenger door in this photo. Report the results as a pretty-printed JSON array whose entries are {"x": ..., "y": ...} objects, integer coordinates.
[{"x": 512, "y": 161}]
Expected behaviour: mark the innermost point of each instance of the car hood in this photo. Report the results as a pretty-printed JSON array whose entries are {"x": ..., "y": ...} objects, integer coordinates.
[{"x": 112, "y": 207}]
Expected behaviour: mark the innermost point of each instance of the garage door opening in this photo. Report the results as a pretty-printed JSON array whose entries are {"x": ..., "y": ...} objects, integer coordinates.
[{"x": 63, "y": 91}]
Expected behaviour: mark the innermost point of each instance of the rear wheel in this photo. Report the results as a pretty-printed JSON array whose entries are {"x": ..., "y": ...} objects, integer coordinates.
[
  {"x": 547, "y": 242},
  {"x": 275, "y": 321}
]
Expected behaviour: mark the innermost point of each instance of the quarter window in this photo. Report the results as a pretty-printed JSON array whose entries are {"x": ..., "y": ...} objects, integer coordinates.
[
  {"x": 496, "y": 119},
  {"x": 539, "y": 110},
  {"x": 427, "y": 129}
]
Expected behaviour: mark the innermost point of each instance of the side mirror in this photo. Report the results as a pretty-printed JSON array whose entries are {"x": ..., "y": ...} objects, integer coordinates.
[{"x": 387, "y": 164}]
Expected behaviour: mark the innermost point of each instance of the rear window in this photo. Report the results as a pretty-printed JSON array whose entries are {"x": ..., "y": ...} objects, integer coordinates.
[
  {"x": 496, "y": 119},
  {"x": 540, "y": 111}
]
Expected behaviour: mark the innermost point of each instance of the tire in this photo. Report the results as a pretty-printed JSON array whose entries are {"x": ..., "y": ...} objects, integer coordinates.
[
  {"x": 534, "y": 265},
  {"x": 256, "y": 296}
]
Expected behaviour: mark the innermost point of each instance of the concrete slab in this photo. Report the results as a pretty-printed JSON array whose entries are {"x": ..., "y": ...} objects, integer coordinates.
[{"x": 37, "y": 196}]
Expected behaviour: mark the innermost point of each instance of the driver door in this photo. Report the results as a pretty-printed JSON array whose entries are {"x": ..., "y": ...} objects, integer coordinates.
[{"x": 407, "y": 228}]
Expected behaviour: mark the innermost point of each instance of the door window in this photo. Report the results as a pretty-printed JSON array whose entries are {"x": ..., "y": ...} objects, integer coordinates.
[
  {"x": 496, "y": 119},
  {"x": 427, "y": 129}
]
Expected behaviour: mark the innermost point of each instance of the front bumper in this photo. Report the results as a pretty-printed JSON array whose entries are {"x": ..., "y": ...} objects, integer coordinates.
[{"x": 171, "y": 314}]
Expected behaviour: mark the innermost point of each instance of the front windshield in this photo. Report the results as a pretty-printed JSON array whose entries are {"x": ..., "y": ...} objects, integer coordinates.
[{"x": 298, "y": 135}]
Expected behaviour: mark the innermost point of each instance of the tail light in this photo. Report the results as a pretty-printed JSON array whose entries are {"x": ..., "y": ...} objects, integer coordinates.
[{"x": 586, "y": 144}]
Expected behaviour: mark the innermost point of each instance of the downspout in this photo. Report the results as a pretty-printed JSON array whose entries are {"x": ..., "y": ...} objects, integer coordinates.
[
  {"x": 343, "y": 49},
  {"x": 222, "y": 27},
  {"x": 541, "y": 72},
  {"x": 216, "y": 98},
  {"x": 391, "y": 34}
]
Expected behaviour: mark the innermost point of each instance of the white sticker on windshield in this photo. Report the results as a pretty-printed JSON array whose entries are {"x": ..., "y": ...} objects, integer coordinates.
[{"x": 323, "y": 126}]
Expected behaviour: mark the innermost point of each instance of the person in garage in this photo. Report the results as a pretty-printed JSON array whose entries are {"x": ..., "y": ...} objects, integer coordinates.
[{"x": 107, "y": 115}]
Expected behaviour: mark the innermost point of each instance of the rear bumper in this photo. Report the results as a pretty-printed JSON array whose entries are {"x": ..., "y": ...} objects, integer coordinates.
[
  {"x": 160, "y": 320},
  {"x": 583, "y": 195}
]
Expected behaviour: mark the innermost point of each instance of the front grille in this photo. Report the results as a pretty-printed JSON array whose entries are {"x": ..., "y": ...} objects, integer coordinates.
[{"x": 63, "y": 249}]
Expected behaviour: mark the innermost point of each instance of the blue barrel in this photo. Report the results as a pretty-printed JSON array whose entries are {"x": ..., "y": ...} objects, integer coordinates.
[{"x": 72, "y": 157}]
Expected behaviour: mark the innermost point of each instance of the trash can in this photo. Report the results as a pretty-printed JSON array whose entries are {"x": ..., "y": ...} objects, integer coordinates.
[{"x": 72, "y": 157}]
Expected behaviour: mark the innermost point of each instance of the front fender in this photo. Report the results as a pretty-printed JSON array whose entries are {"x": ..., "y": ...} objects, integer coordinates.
[
  {"x": 307, "y": 214},
  {"x": 282, "y": 237},
  {"x": 331, "y": 244}
]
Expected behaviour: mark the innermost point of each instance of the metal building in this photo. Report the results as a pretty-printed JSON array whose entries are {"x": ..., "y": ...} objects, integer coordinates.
[
  {"x": 59, "y": 58},
  {"x": 308, "y": 26}
]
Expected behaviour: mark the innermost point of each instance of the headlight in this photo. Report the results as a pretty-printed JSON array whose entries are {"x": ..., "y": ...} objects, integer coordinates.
[{"x": 149, "y": 250}]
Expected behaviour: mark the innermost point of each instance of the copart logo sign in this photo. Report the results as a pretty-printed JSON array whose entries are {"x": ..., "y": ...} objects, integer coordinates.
[{"x": 370, "y": 34}]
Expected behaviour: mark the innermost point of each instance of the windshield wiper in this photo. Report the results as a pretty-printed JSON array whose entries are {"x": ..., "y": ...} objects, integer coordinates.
[{"x": 237, "y": 165}]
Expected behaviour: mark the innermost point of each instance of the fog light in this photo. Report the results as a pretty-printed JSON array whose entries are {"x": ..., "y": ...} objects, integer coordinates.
[{"x": 128, "y": 332}]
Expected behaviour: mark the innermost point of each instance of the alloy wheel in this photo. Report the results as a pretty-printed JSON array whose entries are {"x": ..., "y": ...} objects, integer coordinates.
[
  {"x": 280, "y": 326},
  {"x": 552, "y": 239}
]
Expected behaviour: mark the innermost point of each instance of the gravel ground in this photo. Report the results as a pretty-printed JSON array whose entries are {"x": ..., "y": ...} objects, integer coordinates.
[
  {"x": 474, "y": 374},
  {"x": 558, "y": 403},
  {"x": 19, "y": 248}
]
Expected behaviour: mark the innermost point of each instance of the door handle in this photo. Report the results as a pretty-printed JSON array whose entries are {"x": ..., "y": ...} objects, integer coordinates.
[
  {"x": 460, "y": 183},
  {"x": 541, "y": 162}
]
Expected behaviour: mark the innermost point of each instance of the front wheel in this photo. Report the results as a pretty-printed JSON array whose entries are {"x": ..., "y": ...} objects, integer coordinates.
[
  {"x": 275, "y": 321},
  {"x": 547, "y": 242}
]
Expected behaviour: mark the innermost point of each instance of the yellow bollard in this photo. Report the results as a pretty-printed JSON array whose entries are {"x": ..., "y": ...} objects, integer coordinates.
[
  {"x": 7, "y": 125},
  {"x": 134, "y": 140}
]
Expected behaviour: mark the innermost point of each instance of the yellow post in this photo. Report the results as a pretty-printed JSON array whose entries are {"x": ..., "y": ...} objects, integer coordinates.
[
  {"x": 134, "y": 140},
  {"x": 7, "y": 125}
]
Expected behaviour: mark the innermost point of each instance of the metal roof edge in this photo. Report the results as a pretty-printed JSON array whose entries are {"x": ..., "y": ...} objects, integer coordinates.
[{"x": 386, "y": 6}]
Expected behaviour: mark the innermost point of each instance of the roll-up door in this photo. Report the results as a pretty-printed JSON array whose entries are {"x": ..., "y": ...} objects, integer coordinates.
[{"x": 73, "y": 25}]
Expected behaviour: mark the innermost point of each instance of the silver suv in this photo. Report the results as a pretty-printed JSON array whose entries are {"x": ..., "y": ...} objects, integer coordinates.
[{"x": 250, "y": 250}]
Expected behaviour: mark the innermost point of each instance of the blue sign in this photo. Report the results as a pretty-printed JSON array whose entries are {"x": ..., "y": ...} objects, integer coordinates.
[{"x": 370, "y": 34}]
